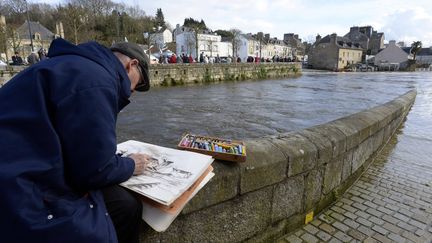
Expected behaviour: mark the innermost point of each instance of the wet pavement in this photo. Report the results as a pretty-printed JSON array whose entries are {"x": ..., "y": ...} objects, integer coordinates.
[{"x": 392, "y": 201}]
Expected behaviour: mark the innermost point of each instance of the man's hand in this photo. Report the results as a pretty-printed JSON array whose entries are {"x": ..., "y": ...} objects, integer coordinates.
[{"x": 141, "y": 161}]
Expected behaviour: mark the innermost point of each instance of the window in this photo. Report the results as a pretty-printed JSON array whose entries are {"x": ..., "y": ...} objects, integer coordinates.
[{"x": 36, "y": 36}]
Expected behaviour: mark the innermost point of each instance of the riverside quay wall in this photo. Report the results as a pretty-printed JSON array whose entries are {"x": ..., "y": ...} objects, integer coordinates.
[
  {"x": 285, "y": 178},
  {"x": 178, "y": 74},
  {"x": 175, "y": 74}
]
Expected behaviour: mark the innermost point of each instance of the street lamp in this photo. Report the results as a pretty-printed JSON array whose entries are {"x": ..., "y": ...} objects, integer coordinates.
[{"x": 29, "y": 27}]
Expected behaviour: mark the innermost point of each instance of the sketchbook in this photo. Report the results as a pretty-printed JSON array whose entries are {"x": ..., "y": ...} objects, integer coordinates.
[{"x": 169, "y": 182}]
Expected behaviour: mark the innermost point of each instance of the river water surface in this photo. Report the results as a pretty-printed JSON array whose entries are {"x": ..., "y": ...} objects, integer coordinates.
[{"x": 251, "y": 109}]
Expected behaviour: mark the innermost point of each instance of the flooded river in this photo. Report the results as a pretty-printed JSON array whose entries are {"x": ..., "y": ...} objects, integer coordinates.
[{"x": 241, "y": 110}]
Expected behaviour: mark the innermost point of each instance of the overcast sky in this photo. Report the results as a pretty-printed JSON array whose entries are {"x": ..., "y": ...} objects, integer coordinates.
[{"x": 408, "y": 20}]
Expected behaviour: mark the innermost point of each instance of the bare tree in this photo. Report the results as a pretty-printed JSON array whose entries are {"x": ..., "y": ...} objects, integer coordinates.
[
  {"x": 236, "y": 40},
  {"x": 75, "y": 18}
]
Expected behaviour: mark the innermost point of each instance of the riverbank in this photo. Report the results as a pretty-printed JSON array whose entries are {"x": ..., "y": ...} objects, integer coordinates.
[{"x": 179, "y": 74}]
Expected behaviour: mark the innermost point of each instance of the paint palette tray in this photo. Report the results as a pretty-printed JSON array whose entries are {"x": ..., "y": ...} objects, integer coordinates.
[{"x": 221, "y": 149}]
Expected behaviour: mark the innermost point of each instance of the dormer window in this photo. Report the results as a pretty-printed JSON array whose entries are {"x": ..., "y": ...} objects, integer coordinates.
[{"x": 36, "y": 36}]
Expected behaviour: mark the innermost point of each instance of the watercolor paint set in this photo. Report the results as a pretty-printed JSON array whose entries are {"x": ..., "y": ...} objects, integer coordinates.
[{"x": 222, "y": 149}]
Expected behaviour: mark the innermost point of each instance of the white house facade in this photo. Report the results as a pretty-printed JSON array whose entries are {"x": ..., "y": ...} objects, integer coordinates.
[{"x": 159, "y": 39}]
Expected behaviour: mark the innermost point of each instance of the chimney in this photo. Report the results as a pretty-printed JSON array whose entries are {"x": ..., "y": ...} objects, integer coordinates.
[
  {"x": 296, "y": 37},
  {"x": 355, "y": 29},
  {"x": 267, "y": 36},
  {"x": 2, "y": 20},
  {"x": 333, "y": 38},
  {"x": 317, "y": 38},
  {"x": 288, "y": 36}
]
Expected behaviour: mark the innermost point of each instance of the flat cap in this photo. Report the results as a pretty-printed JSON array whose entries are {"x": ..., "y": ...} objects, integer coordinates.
[{"x": 133, "y": 51}]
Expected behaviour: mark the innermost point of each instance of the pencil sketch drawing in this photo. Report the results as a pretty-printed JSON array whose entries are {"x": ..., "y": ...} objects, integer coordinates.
[{"x": 169, "y": 173}]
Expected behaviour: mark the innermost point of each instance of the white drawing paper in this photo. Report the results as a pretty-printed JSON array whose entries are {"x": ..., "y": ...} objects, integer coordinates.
[
  {"x": 160, "y": 220},
  {"x": 170, "y": 173}
]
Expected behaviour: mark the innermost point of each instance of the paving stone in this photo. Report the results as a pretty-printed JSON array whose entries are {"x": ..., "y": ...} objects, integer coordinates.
[
  {"x": 381, "y": 238},
  {"x": 410, "y": 236},
  {"x": 406, "y": 226},
  {"x": 365, "y": 230},
  {"x": 342, "y": 236},
  {"x": 364, "y": 222},
  {"x": 374, "y": 212},
  {"x": 362, "y": 214},
  {"x": 384, "y": 210},
  {"x": 350, "y": 215},
  {"x": 340, "y": 226},
  {"x": 337, "y": 216},
  {"x": 360, "y": 206},
  {"x": 327, "y": 228},
  {"x": 311, "y": 229},
  {"x": 391, "y": 227},
  {"x": 309, "y": 238},
  {"x": 356, "y": 234},
  {"x": 316, "y": 222},
  {"x": 338, "y": 210},
  {"x": 380, "y": 229},
  {"x": 370, "y": 240},
  {"x": 351, "y": 223},
  {"x": 299, "y": 232},
  {"x": 334, "y": 240},
  {"x": 327, "y": 219},
  {"x": 376, "y": 220},
  {"x": 396, "y": 237},
  {"x": 417, "y": 224},
  {"x": 293, "y": 239},
  {"x": 349, "y": 208},
  {"x": 323, "y": 236},
  {"x": 401, "y": 217},
  {"x": 391, "y": 219}
]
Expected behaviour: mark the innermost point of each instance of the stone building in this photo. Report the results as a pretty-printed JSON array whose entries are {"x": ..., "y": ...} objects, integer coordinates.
[
  {"x": 370, "y": 40},
  {"x": 392, "y": 57},
  {"x": 161, "y": 38},
  {"x": 36, "y": 33},
  {"x": 297, "y": 47},
  {"x": 334, "y": 53}
]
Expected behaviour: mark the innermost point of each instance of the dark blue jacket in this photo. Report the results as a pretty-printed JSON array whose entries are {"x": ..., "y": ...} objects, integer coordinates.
[{"x": 58, "y": 144}]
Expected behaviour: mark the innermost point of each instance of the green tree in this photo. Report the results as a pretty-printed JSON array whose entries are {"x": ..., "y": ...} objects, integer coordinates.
[
  {"x": 159, "y": 20},
  {"x": 415, "y": 48}
]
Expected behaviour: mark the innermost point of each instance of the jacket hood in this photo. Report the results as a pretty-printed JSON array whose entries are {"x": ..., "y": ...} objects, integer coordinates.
[{"x": 99, "y": 54}]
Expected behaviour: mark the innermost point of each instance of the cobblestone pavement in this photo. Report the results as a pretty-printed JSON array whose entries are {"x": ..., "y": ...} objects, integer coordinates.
[{"x": 391, "y": 202}]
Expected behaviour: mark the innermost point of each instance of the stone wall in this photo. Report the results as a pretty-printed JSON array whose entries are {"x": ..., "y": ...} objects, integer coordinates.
[
  {"x": 285, "y": 177},
  {"x": 174, "y": 74}
]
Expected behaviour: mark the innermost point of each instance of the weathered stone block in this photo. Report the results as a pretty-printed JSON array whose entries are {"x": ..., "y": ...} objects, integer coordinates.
[
  {"x": 223, "y": 186},
  {"x": 332, "y": 174},
  {"x": 347, "y": 165},
  {"x": 313, "y": 188},
  {"x": 361, "y": 154},
  {"x": 322, "y": 144},
  {"x": 385, "y": 114},
  {"x": 336, "y": 136},
  {"x": 301, "y": 153},
  {"x": 288, "y": 198},
  {"x": 231, "y": 221},
  {"x": 372, "y": 119},
  {"x": 265, "y": 165},
  {"x": 270, "y": 234},
  {"x": 351, "y": 134},
  {"x": 361, "y": 127}
]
